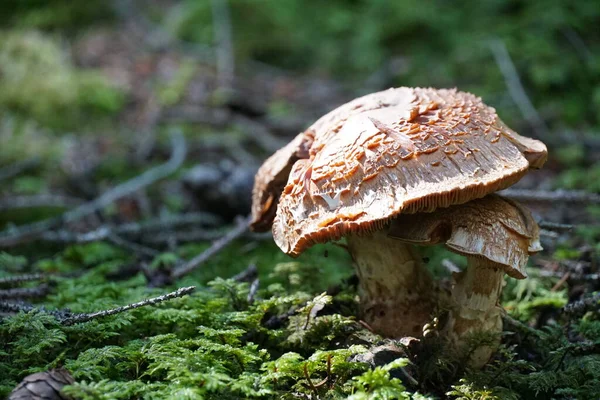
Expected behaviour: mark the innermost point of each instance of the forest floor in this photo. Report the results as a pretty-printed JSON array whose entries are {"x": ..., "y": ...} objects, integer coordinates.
[{"x": 145, "y": 192}]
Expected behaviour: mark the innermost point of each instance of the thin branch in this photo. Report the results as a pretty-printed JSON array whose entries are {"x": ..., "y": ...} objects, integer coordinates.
[
  {"x": 247, "y": 275},
  {"x": 21, "y": 293},
  {"x": 41, "y": 200},
  {"x": 223, "y": 42},
  {"x": 17, "y": 168},
  {"x": 253, "y": 289},
  {"x": 194, "y": 235},
  {"x": 79, "y": 318},
  {"x": 573, "y": 276},
  {"x": 561, "y": 282},
  {"x": 565, "y": 196},
  {"x": 580, "y": 307},
  {"x": 212, "y": 250},
  {"x": 261, "y": 129},
  {"x": 515, "y": 88},
  {"x": 8, "y": 308},
  {"x": 575, "y": 39},
  {"x": 17, "y": 279},
  {"x": 555, "y": 226},
  {"x": 134, "y": 229},
  {"x": 24, "y": 233},
  {"x": 140, "y": 250}
]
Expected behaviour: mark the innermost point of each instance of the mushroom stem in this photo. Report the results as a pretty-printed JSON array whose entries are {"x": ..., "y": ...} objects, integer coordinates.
[
  {"x": 396, "y": 290},
  {"x": 475, "y": 297}
]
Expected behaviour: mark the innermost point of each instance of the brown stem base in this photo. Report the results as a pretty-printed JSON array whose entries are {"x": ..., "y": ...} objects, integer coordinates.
[
  {"x": 396, "y": 290},
  {"x": 475, "y": 298}
]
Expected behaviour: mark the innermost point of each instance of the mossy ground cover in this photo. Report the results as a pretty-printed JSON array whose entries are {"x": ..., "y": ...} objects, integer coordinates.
[
  {"x": 77, "y": 98},
  {"x": 216, "y": 344}
]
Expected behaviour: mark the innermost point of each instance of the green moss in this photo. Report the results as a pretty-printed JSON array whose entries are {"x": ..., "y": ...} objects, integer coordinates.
[
  {"x": 38, "y": 81},
  {"x": 55, "y": 14}
]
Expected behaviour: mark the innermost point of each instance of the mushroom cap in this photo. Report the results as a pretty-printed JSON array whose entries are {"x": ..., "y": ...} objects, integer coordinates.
[
  {"x": 271, "y": 178},
  {"x": 398, "y": 151},
  {"x": 495, "y": 228}
]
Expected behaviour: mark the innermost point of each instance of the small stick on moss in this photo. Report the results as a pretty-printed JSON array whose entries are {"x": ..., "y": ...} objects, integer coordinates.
[
  {"x": 142, "y": 251},
  {"x": 366, "y": 326},
  {"x": 247, "y": 275},
  {"x": 152, "y": 228},
  {"x": 561, "y": 282},
  {"x": 580, "y": 307},
  {"x": 79, "y": 318},
  {"x": 8, "y": 308},
  {"x": 216, "y": 247},
  {"x": 39, "y": 200},
  {"x": 555, "y": 226},
  {"x": 24, "y": 293},
  {"x": 253, "y": 289},
  {"x": 25, "y": 233},
  {"x": 17, "y": 279},
  {"x": 565, "y": 196}
]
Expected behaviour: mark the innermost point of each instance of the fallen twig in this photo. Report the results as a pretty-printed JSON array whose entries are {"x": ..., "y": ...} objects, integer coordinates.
[
  {"x": 253, "y": 289},
  {"x": 547, "y": 233},
  {"x": 216, "y": 247},
  {"x": 515, "y": 88},
  {"x": 15, "y": 169},
  {"x": 555, "y": 226},
  {"x": 260, "y": 129},
  {"x": 78, "y": 318},
  {"x": 573, "y": 276},
  {"x": 194, "y": 235},
  {"x": 24, "y": 233},
  {"x": 40, "y": 200},
  {"x": 17, "y": 279},
  {"x": 580, "y": 307},
  {"x": 23, "y": 293},
  {"x": 223, "y": 42},
  {"x": 565, "y": 196},
  {"x": 561, "y": 282},
  {"x": 247, "y": 275},
  {"x": 140, "y": 250},
  {"x": 152, "y": 227}
]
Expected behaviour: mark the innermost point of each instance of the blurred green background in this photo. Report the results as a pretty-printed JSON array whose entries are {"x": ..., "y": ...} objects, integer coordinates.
[
  {"x": 366, "y": 45},
  {"x": 244, "y": 76},
  {"x": 90, "y": 90}
]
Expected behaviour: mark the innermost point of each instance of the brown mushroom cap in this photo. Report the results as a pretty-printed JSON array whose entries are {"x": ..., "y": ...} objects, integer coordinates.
[
  {"x": 271, "y": 179},
  {"x": 493, "y": 227},
  {"x": 398, "y": 151}
]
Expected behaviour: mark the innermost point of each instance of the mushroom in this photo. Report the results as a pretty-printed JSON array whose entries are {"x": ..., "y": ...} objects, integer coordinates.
[
  {"x": 403, "y": 150},
  {"x": 271, "y": 178},
  {"x": 496, "y": 235}
]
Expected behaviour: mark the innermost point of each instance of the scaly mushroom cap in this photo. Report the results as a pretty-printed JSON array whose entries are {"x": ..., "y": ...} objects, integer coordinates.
[
  {"x": 398, "y": 151},
  {"x": 271, "y": 179},
  {"x": 493, "y": 227}
]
